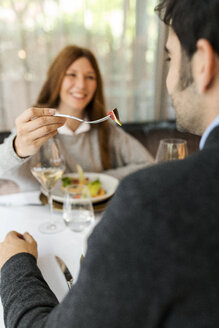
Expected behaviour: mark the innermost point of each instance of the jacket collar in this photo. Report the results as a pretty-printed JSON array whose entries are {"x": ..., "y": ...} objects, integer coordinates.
[
  {"x": 207, "y": 132},
  {"x": 213, "y": 138}
]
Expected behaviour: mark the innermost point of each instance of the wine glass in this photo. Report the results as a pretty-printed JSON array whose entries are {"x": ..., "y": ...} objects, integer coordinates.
[
  {"x": 78, "y": 211},
  {"x": 48, "y": 166},
  {"x": 171, "y": 149}
]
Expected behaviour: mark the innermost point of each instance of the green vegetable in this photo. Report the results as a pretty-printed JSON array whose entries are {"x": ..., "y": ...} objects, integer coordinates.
[
  {"x": 66, "y": 181},
  {"x": 94, "y": 187}
]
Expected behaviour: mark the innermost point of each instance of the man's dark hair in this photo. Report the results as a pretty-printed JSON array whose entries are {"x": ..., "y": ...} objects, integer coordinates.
[{"x": 192, "y": 20}]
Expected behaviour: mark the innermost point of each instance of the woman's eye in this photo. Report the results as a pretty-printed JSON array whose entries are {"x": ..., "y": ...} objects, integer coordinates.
[
  {"x": 90, "y": 77},
  {"x": 168, "y": 59},
  {"x": 71, "y": 74}
]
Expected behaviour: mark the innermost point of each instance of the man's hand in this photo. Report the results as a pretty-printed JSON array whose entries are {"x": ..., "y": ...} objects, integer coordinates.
[
  {"x": 15, "y": 243},
  {"x": 34, "y": 127}
]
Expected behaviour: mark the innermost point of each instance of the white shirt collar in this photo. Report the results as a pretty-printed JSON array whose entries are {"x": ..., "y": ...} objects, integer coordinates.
[
  {"x": 83, "y": 127},
  {"x": 208, "y": 131}
]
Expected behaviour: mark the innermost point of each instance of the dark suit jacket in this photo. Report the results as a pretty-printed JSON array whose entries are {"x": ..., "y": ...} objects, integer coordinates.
[{"x": 153, "y": 261}]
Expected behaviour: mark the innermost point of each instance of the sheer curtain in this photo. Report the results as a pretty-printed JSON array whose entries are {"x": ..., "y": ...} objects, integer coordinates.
[{"x": 125, "y": 36}]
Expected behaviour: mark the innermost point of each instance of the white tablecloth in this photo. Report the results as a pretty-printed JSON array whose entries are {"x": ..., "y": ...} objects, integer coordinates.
[{"x": 68, "y": 245}]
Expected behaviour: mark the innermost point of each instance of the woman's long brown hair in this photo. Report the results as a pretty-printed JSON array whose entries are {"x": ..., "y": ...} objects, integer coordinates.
[{"x": 50, "y": 94}]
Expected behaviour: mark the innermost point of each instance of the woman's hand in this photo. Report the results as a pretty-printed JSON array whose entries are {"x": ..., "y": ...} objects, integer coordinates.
[
  {"x": 34, "y": 127},
  {"x": 15, "y": 243}
]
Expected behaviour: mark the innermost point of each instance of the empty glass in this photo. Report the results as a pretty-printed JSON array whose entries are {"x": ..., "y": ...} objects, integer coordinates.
[
  {"x": 171, "y": 149},
  {"x": 78, "y": 211}
]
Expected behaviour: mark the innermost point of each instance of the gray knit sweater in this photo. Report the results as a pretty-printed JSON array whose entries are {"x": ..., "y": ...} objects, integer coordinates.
[{"x": 126, "y": 153}]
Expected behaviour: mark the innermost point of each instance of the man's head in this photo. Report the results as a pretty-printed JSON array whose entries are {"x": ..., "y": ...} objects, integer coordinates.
[{"x": 193, "y": 51}]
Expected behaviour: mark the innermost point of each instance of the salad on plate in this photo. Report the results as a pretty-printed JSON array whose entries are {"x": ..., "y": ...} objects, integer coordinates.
[{"x": 95, "y": 186}]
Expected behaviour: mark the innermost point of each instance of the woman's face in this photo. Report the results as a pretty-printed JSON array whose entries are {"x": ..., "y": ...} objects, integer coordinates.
[{"x": 78, "y": 87}]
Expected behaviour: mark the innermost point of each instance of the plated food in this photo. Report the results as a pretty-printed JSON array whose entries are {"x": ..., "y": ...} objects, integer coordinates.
[
  {"x": 94, "y": 186},
  {"x": 108, "y": 183}
]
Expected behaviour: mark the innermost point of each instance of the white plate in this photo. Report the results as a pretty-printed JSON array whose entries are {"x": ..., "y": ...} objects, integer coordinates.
[{"x": 109, "y": 184}]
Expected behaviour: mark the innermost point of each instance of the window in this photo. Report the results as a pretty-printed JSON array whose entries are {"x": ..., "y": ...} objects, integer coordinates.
[{"x": 123, "y": 34}]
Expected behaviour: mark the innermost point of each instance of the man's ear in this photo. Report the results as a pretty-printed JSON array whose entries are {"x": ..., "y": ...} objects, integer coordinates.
[{"x": 204, "y": 65}]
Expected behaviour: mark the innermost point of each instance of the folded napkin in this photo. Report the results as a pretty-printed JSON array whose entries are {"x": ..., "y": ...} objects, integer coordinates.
[{"x": 21, "y": 199}]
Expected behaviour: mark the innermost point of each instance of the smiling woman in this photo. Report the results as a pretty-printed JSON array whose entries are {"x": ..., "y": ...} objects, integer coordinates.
[{"x": 73, "y": 87}]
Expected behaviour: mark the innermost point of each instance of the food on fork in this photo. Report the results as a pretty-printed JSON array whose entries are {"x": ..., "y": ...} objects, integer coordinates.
[{"x": 114, "y": 115}]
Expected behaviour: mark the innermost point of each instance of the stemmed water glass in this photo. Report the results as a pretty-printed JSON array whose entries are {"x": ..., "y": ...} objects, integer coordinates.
[
  {"x": 48, "y": 166},
  {"x": 171, "y": 149}
]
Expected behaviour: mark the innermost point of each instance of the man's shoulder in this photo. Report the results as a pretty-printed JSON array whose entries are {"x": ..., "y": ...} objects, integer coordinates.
[
  {"x": 159, "y": 172},
  {"x": 173, "y": 175}
]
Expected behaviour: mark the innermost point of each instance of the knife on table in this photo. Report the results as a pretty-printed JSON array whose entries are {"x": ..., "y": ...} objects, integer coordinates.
[{"x": 65, "y": 271}]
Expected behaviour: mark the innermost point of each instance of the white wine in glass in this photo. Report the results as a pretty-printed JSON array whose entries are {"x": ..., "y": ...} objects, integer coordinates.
[
  {"x": 171, "y": 149},
  {"x": 47, "y": 177},
  {"x": 48, "y": 166}
]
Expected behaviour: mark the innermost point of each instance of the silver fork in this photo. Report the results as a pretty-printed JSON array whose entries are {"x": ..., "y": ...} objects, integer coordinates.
[
  {"x": 80, "y": 120},
  {"x": 113, "y": 114}
]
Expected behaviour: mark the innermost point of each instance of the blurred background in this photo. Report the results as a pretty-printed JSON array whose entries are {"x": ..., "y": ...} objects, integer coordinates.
[{"x": 125, "y": 36}]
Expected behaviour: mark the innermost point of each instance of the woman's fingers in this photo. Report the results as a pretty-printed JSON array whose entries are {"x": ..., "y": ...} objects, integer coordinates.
[
  {"x": 24, "y": 128},
  {"x": 28, "y": 146},
  {"x": 39, "y": 131},
  {"x": 33, "y": 112},
  {"x": 34, "y": 127},
  {"x": 36, "y": 144},
  {"x": 45, "y": 131}
]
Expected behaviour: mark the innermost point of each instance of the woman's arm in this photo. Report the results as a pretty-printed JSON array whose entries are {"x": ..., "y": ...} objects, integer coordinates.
[
  {"x": 13, "y": 167},
  {"x": 9, "y": 159}
]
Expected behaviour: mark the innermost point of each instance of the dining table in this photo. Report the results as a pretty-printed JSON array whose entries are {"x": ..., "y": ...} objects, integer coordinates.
[{"x": 24, "y": 211}]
